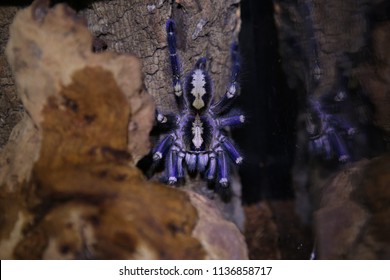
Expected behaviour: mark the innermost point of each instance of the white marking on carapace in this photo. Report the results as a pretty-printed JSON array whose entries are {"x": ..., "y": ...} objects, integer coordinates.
[
  {"x": 198, "y": 81},
  {"x": 197, "y": 131}
]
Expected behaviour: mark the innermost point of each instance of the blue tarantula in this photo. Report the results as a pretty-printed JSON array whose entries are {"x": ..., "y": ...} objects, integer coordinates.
[
  {"x": 197, "y": 140},
  {"x": 335, "y": 122}
]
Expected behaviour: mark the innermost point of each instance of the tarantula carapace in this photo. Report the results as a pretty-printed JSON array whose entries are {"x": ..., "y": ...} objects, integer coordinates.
[{"x": 196, "y": 139}]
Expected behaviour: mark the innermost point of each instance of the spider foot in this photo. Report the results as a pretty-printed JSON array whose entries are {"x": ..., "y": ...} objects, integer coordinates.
[
  {"x": 224, "y": 182},
  {"x": 172, "y": 180}
]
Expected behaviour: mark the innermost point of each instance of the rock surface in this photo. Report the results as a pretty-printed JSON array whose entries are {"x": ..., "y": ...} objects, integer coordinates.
[{"x": 353, "y": 219}]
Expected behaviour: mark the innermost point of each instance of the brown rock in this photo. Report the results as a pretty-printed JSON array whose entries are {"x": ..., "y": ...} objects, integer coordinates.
[{"x": 352, "y": 222}]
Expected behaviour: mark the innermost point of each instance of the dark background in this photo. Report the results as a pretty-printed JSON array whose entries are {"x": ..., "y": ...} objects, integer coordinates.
[{"x": 268, "y": 139}]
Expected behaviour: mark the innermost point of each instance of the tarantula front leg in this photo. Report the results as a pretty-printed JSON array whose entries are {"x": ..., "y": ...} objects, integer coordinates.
[
  {"x": 172, "y": 166},
  {"x": 162, "y": 147},
  {"x": 166, "y": 121},
  {"x": 174, "y": 61},
  {"x": 232, "y": 90}
]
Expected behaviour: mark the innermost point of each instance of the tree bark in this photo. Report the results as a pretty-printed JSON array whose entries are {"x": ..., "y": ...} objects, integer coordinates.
[{"x": 10, "y": 106}]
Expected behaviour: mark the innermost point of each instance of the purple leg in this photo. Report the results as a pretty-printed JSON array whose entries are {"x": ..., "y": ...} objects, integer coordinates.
[
  {"x": 191, "y": 162},
  {"x": 203, "y": 159},
  {"x": 339, "y": 145},
  {"x": 175, "y": 66},
  {"x": 222, "y": 169},
  {"x": 166, "y": 120},
  {"x": 172, "y": 167},
  {"x": 180, "y": 169},
  {"x": 231, "y": 150},
  {"x": 210, "y": 174},
  {"x": 346, "y": 125},
  {"x": 230, "y": 121},
  {"x": 162, "y": 147}
]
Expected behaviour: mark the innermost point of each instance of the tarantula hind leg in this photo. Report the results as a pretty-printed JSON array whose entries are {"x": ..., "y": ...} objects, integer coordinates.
[{"x": 165, "y": 121}]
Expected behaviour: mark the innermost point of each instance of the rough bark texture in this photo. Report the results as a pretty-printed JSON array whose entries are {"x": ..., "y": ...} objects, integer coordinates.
[
  {"x": 10, "y": 106},
  {"x": 69, "y": 185}
]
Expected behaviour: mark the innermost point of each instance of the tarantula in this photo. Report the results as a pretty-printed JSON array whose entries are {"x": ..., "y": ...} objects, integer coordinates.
[
  {"x": 335, "y": 121},
  {"x": 196, "y": 139}
]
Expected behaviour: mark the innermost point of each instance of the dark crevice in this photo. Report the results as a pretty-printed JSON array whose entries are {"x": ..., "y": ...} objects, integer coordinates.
[{"x": 268, "y": 139}]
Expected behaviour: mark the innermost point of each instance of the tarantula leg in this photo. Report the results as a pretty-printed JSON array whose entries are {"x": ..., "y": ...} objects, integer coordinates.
[
  {"x": 172, "y": 167},
  {"x": 191, "y": 162},
  {"x": 232, "y": 90},
  {"x": 222, "y": 169},
  {"x": 231, "y": 121},
  {"x": 210, "y": 174},
  {"x": 175, "y": 65},
  {"x": 339, "y": 145},
  {"x": 180, "y": 169},
  {"x": 166, "y": 121},
  {"x": 162, "y": 147},
  {"x": 346, "y": 125},
  {"x": 203, "y": 159},
  {"x": 231, "y": 150},
  {"x": 320, "y": 146}
]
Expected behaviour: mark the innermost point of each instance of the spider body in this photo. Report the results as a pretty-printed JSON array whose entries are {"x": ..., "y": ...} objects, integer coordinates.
[{"x": 196, "y": 139}]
